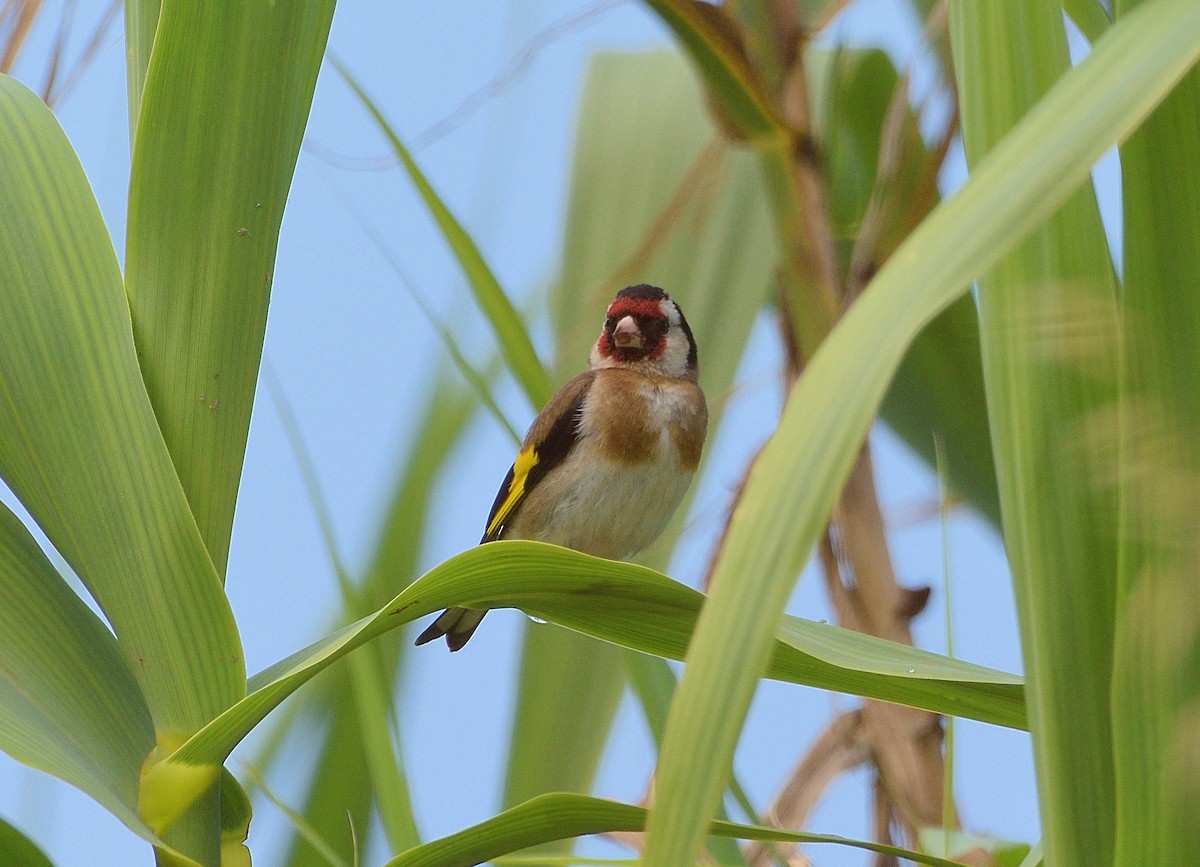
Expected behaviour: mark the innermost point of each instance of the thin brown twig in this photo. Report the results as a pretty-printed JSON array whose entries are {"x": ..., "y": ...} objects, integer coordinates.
[
  {"x": 57, "y": 51},
  {"x": 836, "y": 750},
  {"x": 474, "y": 101},
  {"x": 86, "y": 56},
  {"x": 17, "y": 19}
]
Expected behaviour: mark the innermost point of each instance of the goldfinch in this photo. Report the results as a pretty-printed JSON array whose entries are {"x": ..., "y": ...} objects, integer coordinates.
[{"x": 608, "y": 459}]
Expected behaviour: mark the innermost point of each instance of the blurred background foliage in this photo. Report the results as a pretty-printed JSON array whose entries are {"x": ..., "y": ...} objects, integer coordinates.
[{"x": 784, "y": 180}]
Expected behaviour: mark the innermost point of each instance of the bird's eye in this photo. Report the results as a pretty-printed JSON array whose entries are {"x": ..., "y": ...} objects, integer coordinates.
[{"x": 608, "y": 323}]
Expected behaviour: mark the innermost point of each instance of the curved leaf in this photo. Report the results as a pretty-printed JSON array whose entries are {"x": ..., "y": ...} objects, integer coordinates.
[
  {"x": 793, "y": 484},
  {"x": 621, "y": 603},
  {"x": 561, "y": 815},
  {"x": 17, "y": 850},
  {"x": 68, "y": 704},
  {"x": 79, "y": 443}
]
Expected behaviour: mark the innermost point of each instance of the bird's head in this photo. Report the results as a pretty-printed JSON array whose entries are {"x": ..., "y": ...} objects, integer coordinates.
[{"x": 645, "y": 330}]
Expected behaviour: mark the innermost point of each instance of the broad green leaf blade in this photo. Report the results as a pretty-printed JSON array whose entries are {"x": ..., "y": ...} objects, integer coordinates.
[
  {"x": 204, "y": 216},
  {"x": 621, "y": 603},
  {"x": 558, "y": 816},
  {"x": 68, "y": 704},
  {"x": 515, "y": 346},
  {"x": 17, "y": 850},
  {"x": 79, "y": 443},
  {"x": 654, "y": 198},
  {"x": 1156, "y": 681},
  {"x": 797, "y": 477},
  {"x": 1048, "y": 314}
]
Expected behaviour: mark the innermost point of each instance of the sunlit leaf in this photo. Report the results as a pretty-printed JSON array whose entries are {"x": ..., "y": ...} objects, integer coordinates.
[
  {"x": 797, "y": 476},
  {"x": 556, "y": 816}
]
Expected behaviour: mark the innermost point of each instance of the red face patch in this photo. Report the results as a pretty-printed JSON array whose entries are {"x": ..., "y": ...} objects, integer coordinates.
[
  {"x": 651, "y": 321},
  {"x": 638, "y": 308}
]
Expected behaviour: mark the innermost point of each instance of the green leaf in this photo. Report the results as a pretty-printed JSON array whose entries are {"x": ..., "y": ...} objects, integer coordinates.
[
  {"x": 1156, "y": 678},
  {"x": 17, "y": 850},
  {"x": 515, "y": 346},
  {"x": 1089, "y": 16},
  {"x": 236, "y": 814},
  {"x": 621, "y": 603},
  {"x": 79, "y": 443},
  {"x": 798, "y": 474},
  {"x": 558, "y": 816},
  {"x": 68, "y": 704},
  {"x": 1049, "y": 329},
  {"x": 951, "y": 843},
  {"x": 937, "y": 393},
  {"x": 653, "y": 682},
  {"x": 204, "y": 217},
  {"x": 714, "y": 44}
]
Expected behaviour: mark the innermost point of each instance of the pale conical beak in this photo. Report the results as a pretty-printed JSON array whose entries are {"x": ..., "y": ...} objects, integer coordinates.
[{"x": 627, "y": 335}]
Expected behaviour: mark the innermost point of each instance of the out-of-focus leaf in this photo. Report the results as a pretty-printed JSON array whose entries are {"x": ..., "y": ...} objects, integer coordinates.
[
  {"x": 204, "y": 217},
  {"x": 653, "y": 683},
  {"x": 797, "y": 476},
  {"x": 512, "y": 337},
  {"x": 68, "y": 704},
  {"x": 561, "y": 815},
  {"x": 17, "y": 850},
  {"x": 937, "y": 396},
  {"x": 1089, "y": 16},
  {"x": 1048, "y": 313},
  {"x": 1156, "y": 677},
  {"x": 937, "y": 393},
  {"x": 322, "y": 849},
  {"x": 714, "y": 43},
  {"x": 953, "y": 843},
  {"x": 79, "y": 443}
]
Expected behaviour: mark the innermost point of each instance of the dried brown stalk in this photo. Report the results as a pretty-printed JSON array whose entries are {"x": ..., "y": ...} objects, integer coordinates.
[
  {"x": 16, "y": 19},
  {"x": 839, "y": 748},
  {"x": 904, "y": 744}
]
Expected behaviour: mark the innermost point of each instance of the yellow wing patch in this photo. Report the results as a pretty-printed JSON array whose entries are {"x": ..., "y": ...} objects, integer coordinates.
[{"x": 526, "y": 460}]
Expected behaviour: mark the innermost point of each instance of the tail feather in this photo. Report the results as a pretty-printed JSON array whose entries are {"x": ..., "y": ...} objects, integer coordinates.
[{"x": 457, "y": 624}]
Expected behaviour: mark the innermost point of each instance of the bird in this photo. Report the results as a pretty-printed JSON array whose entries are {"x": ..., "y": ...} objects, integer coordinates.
[{"x": 608, "y": 459}]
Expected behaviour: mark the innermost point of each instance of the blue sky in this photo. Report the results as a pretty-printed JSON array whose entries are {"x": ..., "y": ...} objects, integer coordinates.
[{"x": 352, "y": 353}]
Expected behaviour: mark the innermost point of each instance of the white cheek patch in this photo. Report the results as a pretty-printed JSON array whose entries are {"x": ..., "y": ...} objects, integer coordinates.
[{"x": 673, "y": 360}]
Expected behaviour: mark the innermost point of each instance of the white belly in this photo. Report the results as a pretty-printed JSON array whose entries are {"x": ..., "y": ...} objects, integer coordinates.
[{"x": 616, "y": 511}]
